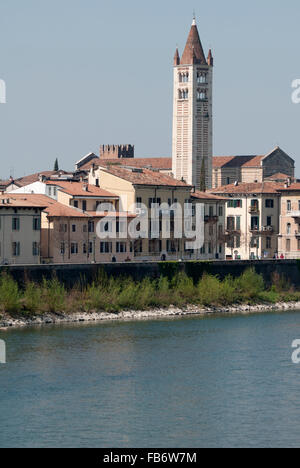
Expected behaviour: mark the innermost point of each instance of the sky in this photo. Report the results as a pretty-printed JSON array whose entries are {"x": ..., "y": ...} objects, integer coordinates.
[{"x": 80, "y": 73}]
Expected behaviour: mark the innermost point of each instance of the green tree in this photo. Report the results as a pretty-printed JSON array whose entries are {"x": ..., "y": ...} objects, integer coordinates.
[
  {"x": 56, "y": 166},
  {"x": 203, "y": 177}
]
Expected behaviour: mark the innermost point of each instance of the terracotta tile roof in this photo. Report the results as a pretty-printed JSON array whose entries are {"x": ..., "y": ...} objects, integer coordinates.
[
  {"x": 18, "y": 200},
  {"x": 144, "y": 177},
  {"x": 30, "y": 179},
  {"x": 206, "y": 196},
  {"x": 264, "y": 187},
  {"x": 279, "y": 176},
  {"x": 77, "y": 189},
  {"x": 237, "y": 161},
  {"x": 193, "y": 52},
  {"x": 255, "y": 162},
  {"x": 292, "y": 188},
  {"x": 154, "y": 163},
  {"x": 5, "y": 183}
]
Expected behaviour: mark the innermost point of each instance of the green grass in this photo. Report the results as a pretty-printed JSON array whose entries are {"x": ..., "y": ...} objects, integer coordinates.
[{"x": 116, "y": 294}]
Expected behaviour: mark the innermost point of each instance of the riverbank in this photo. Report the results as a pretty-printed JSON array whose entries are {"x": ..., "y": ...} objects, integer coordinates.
[
  {"x": 7, "y": 322},
  {"x": 122, "y": 298}
]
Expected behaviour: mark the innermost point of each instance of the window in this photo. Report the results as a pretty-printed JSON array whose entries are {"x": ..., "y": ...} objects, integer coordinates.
[
  {"x": 269, "y": 220},
  {"x": 220, "y": 211},
  {"x": 230, "y": 223},
  {"x": 254, "y": 223},
  {"x": 63, "y": 228},
  {"x": 74, "y": 248},
  {"x": 91, "y": 226},
  {"x": 121, "y": 247},
  {"x": 288, "y": 245},
  {"x": 97, "y": 183},
  {"x": 84, "y": 249},
  {"x": 269, "y": 242},
  {"x": 16, "y": 224},
  {"x": 269, "y": 203},
  {"x": 238, "y": 223},
  {"x": 84, "y": 205},
  {"x": 254, "y": 242},
  {"x": 288, "y": 228},
  {"x": 201, "y": 95},
  {"x": 289, "y": 205},
  {"x": 238, "y": 242},
  {"x": 36, "y": 224},
  {"x": 235, "y": 204},
  {"x": 105, "y": 247},
  {"x": 35, "y": 249},
  {"x": 139, "y": 202},
  {"x": 91, "y": 247},
  {"x": 73, "y": 227},
  {"x": 16, "y": 249},
  {"x": 76, "y": 204},
  {"x": 62, "y": 248}
]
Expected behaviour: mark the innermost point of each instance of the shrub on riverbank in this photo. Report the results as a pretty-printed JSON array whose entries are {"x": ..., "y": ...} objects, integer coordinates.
[{"x": 116, "y": 294}]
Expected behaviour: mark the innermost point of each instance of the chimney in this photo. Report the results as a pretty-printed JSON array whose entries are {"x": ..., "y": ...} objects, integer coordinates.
[
  {"x": 85, "y": 187},
  {"x": 289, "y": 181}
]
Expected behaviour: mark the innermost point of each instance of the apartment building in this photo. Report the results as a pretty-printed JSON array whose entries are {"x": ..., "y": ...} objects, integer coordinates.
[
  {"x": 252, "y": 219},
  {"x": 142, "y": 188},
  {"x": 70, "y": 235},
  {"x": 214, "y": 225},
  {"x": 20, "y": 229},
  {"x": 289, "y": 236},
  {"x": 251, "y": 169}
]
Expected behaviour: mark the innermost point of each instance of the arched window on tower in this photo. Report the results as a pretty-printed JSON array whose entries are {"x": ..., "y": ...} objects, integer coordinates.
[
  {"x": 201, "y": 78},
  {"x": 201, "y": 95}
]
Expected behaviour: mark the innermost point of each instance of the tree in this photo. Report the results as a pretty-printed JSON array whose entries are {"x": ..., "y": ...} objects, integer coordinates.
[
  {"x": 56, "y": 166},
  {"x": 203, "y": 177}
]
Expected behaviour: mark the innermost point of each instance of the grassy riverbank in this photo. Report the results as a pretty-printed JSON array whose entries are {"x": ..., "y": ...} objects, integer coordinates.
[{"x": 115, "y": 295}]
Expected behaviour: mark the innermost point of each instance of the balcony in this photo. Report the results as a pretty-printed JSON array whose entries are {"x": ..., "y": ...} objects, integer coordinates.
[
  {"x": 294, "y": 214},
  {"x": 254, "y": 209},
  {"x": 211, "y": 219},
  {"x": 297, "y": 234},
  {"x": 264, "y": 231}
]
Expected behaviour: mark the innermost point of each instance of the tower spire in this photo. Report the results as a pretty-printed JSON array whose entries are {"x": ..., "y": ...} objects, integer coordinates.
[{"x": 193, "y": 52}]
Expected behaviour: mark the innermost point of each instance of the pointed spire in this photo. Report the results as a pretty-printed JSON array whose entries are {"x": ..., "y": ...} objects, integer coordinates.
[
  {"x": 193, "y": 52},
  {"x": 210, "y": 59},
  {"x": 176, "y": 58}
]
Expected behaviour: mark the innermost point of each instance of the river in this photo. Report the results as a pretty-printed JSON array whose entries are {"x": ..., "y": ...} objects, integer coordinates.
[{"x": 192, "y": 382}]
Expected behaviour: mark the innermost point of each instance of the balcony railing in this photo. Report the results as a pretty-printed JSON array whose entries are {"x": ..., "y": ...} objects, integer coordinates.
[
  {"x": 211, "y": 219},
  {"x": 265, "y": 230},
  {"x": 254, "y": 209},
  {"x": 294, "y": 214}
]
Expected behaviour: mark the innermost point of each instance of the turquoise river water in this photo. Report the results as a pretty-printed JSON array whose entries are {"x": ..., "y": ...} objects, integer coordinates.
[{"x": 195, "y": 382}]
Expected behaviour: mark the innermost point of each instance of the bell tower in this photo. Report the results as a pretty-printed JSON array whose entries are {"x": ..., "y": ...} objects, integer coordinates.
[{"x": 192, "y": 114}]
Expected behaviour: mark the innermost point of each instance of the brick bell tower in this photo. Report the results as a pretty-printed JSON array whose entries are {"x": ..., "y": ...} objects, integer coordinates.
[{"x": 192, "y": 114}]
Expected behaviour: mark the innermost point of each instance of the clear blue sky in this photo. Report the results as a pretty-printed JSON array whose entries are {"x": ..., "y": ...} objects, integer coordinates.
[{"x": 82, "y": 73}]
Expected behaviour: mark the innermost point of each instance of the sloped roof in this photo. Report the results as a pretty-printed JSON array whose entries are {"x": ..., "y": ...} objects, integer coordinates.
[
  {"x": 206, "y": 196},
  {"x": 193, "y": 52},
  {"x": 30, "y": 179},
  {"x": 144, "y": 177},
  {"x": 77, "y": 189},
  {"x": 236, "y": 161},
  {"x": 245, "y": 188},
  {"x": 18, "y": 200}
]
